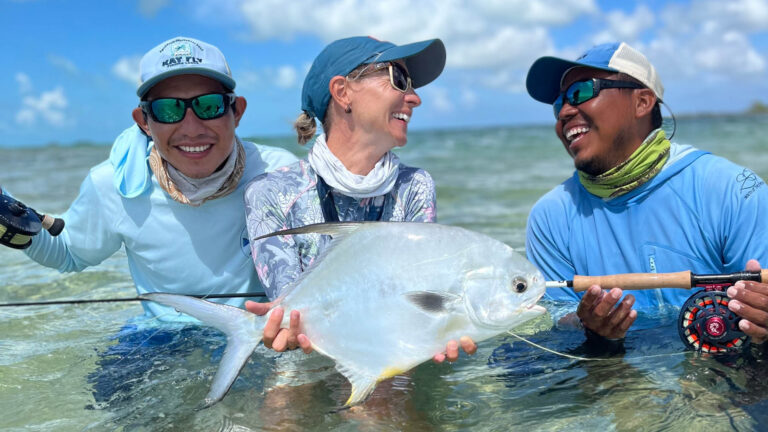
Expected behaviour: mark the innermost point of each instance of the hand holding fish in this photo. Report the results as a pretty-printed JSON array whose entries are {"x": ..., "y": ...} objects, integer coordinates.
[
  {"x": 451, "y": 353},
  {"x": 749, "y": 300},
  {"x": 598, "y": 314},
  {"x": 280, "y": 339}
]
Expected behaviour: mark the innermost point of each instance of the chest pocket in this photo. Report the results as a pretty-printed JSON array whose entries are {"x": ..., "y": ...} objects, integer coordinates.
[{"x": 665, "y": 259}]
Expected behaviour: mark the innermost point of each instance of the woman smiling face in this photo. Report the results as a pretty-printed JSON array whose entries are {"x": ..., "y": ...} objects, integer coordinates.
[{"x": 380, "y": 113}]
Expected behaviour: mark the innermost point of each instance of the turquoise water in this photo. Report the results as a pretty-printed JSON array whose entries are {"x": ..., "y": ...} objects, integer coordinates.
[{"x": 487, "y": 179}]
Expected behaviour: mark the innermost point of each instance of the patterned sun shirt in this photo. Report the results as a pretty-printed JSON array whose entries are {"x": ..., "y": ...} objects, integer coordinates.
[{"x": 287, "y": 198}]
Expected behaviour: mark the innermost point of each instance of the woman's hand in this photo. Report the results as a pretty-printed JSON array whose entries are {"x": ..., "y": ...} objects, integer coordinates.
[{"x": 276, "y": 338}]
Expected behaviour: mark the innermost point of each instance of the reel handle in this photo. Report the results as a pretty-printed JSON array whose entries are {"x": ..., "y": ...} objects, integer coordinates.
[
  {"x": 51, "y": 224},
  {"x": 684, "y": 279},
  {"x": 634, "y": 281}
]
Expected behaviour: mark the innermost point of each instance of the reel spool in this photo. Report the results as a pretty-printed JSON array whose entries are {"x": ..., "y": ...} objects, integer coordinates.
[
  {"x": 707, "y": 325},
  {"x": 18, "y": 223}
]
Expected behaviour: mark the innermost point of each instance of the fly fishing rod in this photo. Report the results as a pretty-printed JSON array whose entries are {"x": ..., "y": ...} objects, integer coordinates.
[
  {"x": 127, "y": 299},
  {"x": 705, "y": 323},
  {"x": 640, "y": 281}
]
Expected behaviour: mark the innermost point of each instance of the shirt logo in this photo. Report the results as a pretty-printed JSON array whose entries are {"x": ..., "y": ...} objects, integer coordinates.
[
  {"x": 245, "y": 242},
  {"x": 749, "y": 182}
]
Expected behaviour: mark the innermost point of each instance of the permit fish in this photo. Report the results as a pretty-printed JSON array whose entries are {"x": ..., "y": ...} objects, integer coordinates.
[{"x": 382, "y": 298}]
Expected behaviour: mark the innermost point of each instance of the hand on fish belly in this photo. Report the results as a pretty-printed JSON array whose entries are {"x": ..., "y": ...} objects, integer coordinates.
[
  {"x": 276, "y": 338},
  {"x": 451, "y": 353},
  {"x": 749, "y": 300},
  {"x": 281, "y": 339}
]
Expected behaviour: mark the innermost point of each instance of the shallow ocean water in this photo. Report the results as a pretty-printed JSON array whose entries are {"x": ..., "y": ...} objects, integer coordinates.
[{"x": 58, "y": 362}]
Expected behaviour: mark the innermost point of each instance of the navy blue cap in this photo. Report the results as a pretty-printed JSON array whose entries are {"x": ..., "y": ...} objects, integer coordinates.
[
  {"x": 425, "y": 61},
  {"x": 546, "y": 74}
]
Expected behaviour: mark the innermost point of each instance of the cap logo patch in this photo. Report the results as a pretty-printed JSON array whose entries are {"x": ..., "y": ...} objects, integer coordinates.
[{"x": 181, "y": 54}]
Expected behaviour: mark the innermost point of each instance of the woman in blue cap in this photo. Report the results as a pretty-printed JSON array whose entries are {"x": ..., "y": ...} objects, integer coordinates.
[{"x": 362, "y": 90}]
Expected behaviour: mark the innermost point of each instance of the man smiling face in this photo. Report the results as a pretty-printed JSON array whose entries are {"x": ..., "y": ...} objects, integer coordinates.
[
  {"x": 195, "y": 147},
  {"x": 599, "y": 133}
]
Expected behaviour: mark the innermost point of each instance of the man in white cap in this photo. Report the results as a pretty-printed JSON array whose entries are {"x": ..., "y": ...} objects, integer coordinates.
[
  {"x": 638, "y": 203},
  {"x": 171, "y": 192}
]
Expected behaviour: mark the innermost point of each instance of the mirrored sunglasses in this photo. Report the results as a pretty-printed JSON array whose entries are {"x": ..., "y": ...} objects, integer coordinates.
[
  {"x": 582, "y": 91},
  {"x": 172, "y": 110}
]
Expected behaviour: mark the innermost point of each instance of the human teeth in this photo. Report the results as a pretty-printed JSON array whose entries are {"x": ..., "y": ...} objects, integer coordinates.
[
  {"x": 195, "y": 149},
  {"x": 575, "y": 131},
  {"x": 402, "y": 116}
]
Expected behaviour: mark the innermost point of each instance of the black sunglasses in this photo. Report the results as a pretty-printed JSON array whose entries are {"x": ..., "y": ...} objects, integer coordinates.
[
  {"x": 172, "y": 110},
  {"x": 582, "y": 91}
]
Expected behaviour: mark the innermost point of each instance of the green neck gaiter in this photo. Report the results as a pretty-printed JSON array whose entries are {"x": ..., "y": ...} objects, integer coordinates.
[{"x": 641, "y": 166}]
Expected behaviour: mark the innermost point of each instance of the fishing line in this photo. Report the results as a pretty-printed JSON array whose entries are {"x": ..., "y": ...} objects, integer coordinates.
[
  {"x": 126, "y": 299},
  {"x": 593, "y": 358}
]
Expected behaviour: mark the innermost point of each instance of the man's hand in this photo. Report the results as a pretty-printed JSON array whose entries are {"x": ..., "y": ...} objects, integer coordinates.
[
  {"x": 749, "y": 300},
  {"x": 452, "y": 350},
  {"x": 276, "y": 338},
  {"x": 598, "y": 314}
]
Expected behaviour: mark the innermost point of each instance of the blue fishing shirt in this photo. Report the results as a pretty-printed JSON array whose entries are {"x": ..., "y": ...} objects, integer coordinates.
[
  {"x": 701, "y": 213},
  {"x": 171, "y": 247}
]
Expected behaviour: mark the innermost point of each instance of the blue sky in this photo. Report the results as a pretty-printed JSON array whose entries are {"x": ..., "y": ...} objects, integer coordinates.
[{"x": 71, "y": 66}]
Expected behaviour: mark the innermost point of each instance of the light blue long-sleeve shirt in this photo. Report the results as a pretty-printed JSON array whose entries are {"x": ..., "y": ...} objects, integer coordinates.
[
  {"x": 701, "y": 213},
  {"x": 171, "y": 247}
]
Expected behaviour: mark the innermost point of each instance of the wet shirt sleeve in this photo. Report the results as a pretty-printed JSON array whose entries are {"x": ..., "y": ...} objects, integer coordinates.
[{"x": 88, "y": 238}]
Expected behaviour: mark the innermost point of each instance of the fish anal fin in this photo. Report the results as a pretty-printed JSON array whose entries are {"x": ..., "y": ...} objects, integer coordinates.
[
  {"x": 433, "y": 302},
  {"x": 363, "y": 383}
]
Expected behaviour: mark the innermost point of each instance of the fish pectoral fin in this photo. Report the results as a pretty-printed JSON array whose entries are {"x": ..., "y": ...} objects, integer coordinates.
[{"x": 433, "y": 301}]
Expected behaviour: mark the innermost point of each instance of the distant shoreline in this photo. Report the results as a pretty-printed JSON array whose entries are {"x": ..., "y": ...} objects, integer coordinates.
[{"x": 756, "y": 110}]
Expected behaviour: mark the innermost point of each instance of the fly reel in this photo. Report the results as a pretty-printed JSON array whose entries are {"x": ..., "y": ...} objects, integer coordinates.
[
  {"x": 707, "y": 325},
  {"x": 19, "y": 223}
]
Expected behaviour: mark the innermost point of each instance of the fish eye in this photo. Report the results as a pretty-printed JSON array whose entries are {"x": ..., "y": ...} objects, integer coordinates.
[{"x": 520, "y": 284}]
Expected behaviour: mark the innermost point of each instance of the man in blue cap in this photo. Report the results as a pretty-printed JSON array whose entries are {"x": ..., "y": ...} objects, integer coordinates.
[
  {"x": 171, "y": 192},
  {"x": 638, "y": 203}
]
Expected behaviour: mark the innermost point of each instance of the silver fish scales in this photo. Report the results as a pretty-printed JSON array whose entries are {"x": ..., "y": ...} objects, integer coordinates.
[{"x": 383, "y": 298}]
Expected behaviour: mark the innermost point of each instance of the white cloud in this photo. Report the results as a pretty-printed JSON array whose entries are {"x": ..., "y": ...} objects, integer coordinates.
[
  {"x": 625, "y": 27},
  {"x": 492, "y": 33},
  {"x": 127, "y": 69},
  {"x": 709, "y": 40},
  {"x": 49, "y": 107},
  {"x": 25, "y": 83},
  {"x": 63, "y": 63},
  {"x": 468, "y": 97},
  {"x": 150, "y": 8},
  {"x": 285, "y": 77},
  {"x": 437, "y": 97}
]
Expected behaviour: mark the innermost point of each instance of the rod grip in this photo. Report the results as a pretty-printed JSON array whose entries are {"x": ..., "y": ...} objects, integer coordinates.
[{"x": 638, "y": 281}]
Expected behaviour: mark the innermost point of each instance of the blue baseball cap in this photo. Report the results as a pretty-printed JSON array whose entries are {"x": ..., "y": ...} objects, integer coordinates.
[
  {"x": 546, "y": 74},
  {"x": 182, "y": 56},
  {"x": 425, "y": 61}
]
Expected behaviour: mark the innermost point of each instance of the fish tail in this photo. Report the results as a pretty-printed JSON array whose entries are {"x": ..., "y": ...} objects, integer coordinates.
[{"x": 243, "y": 329}]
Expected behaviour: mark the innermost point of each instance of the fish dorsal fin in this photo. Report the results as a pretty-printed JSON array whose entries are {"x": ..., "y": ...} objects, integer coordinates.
[
  {"x": 333, "y": 229},
  {"x": 433, "y": 302}
]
